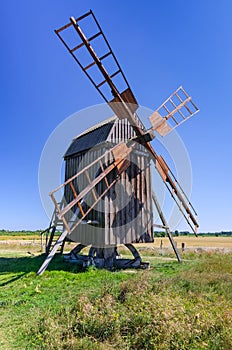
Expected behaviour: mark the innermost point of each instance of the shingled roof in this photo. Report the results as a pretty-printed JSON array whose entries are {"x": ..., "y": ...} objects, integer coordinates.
[{"x": 91, "y": 137}]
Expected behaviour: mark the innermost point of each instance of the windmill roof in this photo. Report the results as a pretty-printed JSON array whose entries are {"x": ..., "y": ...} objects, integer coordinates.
[{"x": 91, "y": 137}]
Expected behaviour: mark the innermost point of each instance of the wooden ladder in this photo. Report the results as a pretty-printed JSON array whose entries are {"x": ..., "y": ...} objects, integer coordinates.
[
  {"x": 50, "y": 232},
  {"x": 109, "y": 175}
]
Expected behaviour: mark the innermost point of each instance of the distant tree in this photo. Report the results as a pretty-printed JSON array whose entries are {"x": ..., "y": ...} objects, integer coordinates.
[{"x": 184, "y": 233}]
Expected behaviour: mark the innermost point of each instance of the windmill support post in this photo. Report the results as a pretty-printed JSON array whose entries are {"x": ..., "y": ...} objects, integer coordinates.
[
  {"x": 165, "y": 226},
  {"x": 107, "y": 257}
]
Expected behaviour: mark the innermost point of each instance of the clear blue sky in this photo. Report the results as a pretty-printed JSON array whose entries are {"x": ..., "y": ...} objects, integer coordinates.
[{"x": 160, "y": 45}]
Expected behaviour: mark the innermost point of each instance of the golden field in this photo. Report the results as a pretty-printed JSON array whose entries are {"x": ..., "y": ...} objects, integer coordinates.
[
  {"x": 190, "y": 242},
  {"x": 196, "y": 242}
]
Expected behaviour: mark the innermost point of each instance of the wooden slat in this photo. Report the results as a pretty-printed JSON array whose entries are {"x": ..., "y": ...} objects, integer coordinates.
[
  {"x": 110, "y": 76},
  {"x": 90, "y": 182},
  {"x": 155, "y": 120},
  {"x": 77, "y": 175},
  {"x": 176, "y": 192},
  {"x": 178, "y": 108},
  {"x": 101, "y": 83},
  {"x": 73, "y": 189},
  {"x": 89, "y": 65},
  {"x": 69, "y": 24},
  {"x": 65, "y": 224},
  {"x": 165, "y": 224},
  {"x": 116, "y": 164},
  {"x": 52, "y": 253},
  {"x": 82, "y": 44},
  {"x": 128, "y": 97},
  {"x": 98, "y": 199},
  {"x": 179, "y": 111},
  {"x": 120, "y": 151},
  {"x": 104, "y": 56},
  {"x": 163, "y": 129},
  {"x": 122, "y": 166},
  {"x": 80, "y": 208},
  {"x": 102, "y": 168},
  {"x": 77, "y": 47}
]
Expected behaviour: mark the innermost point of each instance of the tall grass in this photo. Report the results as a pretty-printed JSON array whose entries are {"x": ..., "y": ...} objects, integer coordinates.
[{"x": 189, "y": 309}]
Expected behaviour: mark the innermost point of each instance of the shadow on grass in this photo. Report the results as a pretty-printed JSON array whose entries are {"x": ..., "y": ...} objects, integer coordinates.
[
  {"x": 28, "y": 264},
  {"x": 10, "y": 280}
]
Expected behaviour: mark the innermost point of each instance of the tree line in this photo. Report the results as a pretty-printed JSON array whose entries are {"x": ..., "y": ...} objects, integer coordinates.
[{"x": 187, "y": 233}]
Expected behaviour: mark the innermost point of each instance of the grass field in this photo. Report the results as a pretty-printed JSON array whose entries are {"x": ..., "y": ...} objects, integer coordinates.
[
  {"x": 169, "y": 306},
  {"x": 191, "y": 242}
]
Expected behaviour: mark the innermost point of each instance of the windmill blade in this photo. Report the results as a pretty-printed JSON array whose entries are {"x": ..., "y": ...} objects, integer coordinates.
[
  {"x": 170, "y": 181},
  {"x": 178, "y": 108},
  {"x": 125, "y": 105},
  {"x": 177, "y": 193},
  {"x": 113, "y": 82}
]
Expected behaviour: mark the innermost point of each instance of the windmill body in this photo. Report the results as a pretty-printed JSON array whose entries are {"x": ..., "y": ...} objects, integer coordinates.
[
  {"x": 107, "y": 194},
  {"x": 125, "y": 214}
]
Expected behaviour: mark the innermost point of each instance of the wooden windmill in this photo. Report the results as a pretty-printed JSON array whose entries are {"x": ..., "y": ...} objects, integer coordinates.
[{"x": 107, "y": 195}]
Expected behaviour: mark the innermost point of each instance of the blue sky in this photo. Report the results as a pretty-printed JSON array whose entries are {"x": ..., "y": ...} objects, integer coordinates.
[{"x": 160, "y": 45}]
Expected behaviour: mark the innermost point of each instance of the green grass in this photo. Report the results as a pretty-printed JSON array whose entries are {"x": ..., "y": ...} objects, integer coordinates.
[
  {"x": 170, "y": 306},
  {"x": 20, "y": 233}
]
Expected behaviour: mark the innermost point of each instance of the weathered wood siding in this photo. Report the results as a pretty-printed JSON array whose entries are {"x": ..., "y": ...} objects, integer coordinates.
[{"x": 125, "y": 214}]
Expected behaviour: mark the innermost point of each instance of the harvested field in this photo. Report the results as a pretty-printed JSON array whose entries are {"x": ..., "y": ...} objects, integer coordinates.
[{"x": 191, "y": 243}]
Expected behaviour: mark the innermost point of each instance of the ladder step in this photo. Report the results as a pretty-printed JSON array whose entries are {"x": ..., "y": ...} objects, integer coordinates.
[
  {"x": 100, "y": 58},
  {"x": 82, "y": 44},
  {"x": 111, "y": 76},
  {"x": 77, "y": 47},
  {"x": 69, "y": 24}
]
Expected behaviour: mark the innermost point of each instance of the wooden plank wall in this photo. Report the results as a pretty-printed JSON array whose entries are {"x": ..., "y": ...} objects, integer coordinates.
[{"x": 127, "y": 209}]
